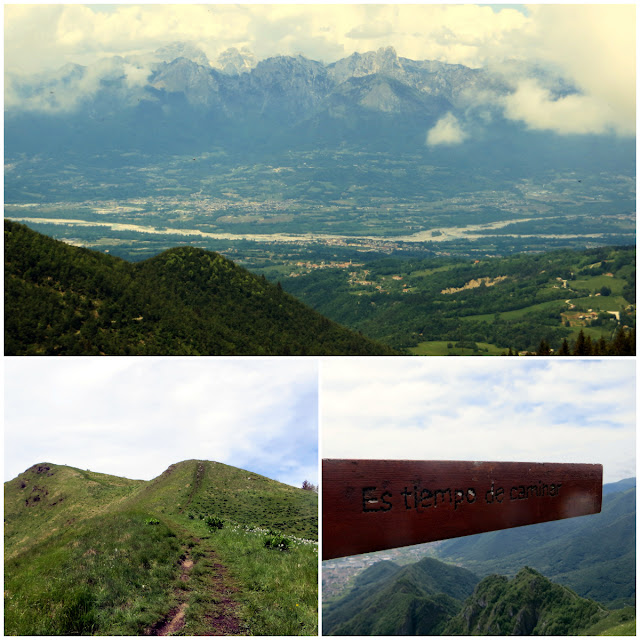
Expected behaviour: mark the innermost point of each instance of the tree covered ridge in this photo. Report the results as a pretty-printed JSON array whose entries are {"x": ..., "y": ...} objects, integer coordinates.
[
  {"x": 386, "y": 599},
  {"x": 528, "y": 604},
  {"x": 66, "y": 300}
]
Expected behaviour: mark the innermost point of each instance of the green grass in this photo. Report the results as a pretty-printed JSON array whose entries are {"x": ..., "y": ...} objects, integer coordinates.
[
  {"x": 109, "y": 576},
  {"x": 600, "y": 303},
  {"x": 277, "y": 590},
  {"x": 595, "y": 283},
  {"x": 424, "y": 273},
  {"x": 57, "y": 495},
  {"x": 594, "y": 332},
  {"x": 626, "y": 629},
  {"x": 518, "y": 313},
  {"x": 221, "y": 490},
  {"x": 106, "y": 559},
  {"x": 439, "y": 348},
  {"x": 620, "y": 622}
]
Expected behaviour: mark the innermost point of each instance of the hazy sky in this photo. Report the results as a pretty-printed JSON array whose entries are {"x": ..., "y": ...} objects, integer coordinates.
[
  {"x": 133, "y": 417},
  {"x": 591, "y": 46},
  {"x": 484, "y": 409}
]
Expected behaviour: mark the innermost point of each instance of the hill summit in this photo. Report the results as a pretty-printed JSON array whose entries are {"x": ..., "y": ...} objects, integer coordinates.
[{"x": 65, "y": 300}]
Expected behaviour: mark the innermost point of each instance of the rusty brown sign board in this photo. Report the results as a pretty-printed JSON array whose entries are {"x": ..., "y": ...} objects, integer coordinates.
[{"x": 371, "y": 505}]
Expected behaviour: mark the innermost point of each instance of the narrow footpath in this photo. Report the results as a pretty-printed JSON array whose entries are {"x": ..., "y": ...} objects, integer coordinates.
[{"x": 213, "y": 589}]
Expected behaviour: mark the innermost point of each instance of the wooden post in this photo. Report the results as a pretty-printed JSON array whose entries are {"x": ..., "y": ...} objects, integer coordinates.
[{"x": 371, "y": 505}]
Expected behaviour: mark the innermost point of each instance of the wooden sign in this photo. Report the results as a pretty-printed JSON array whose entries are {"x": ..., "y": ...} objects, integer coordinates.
[{"x": 370, "y": 505}]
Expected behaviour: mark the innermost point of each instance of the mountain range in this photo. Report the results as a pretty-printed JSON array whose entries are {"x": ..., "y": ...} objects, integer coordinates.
[
  {"x": 530, "y": 604},
  {"x": 286, "y": 162},
  {"x": 430, "y": 598},
  {"x": 175, "y": 100},
  {"x": 283, "y": 86},
  {"x": 386, "y": 599}
]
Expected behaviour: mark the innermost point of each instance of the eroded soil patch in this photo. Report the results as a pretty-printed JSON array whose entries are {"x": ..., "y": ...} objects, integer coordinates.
[
  {"x": 224, "y": 621},
  {"x": 172, "y": 624}
]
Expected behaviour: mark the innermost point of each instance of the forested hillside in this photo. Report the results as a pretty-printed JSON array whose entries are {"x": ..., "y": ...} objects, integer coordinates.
[
  {"x": 442, "y": 306},
  {"x": 430, "y": 597},
  {"x": 595, "y": 555},
  {"x": 386, "y": 599},
  {"x": 529, "y": 604},
  {"x": 65, "y": 300}
]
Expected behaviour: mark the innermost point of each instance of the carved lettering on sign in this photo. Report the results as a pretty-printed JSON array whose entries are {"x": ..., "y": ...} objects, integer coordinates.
[{"x": 375, "y": 500}]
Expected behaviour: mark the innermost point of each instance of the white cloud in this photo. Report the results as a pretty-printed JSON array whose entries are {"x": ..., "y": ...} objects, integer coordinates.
[
  {"x": 447, "y": 131},
  {"x": 135, "y": 76},
  {"x": 371, "y": 30},
  {"x": 594, "y": 46},
  {"x": 481, "y": 409},
  {"x": 135, "y": 417}
]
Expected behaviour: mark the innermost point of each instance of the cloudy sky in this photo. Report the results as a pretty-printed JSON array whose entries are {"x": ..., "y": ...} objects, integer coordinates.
[
  {"x": 591, "y": 46},
  {"x": 484, "y": 409},
  {"x": 133, "y": 417}
]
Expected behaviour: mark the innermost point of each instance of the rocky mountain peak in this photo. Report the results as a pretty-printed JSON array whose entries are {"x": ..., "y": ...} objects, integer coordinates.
[
  {"x": 187, "y": 50},
  {"x": 182, "y": 75},
  {"x": 233, "y": 62},
  {"x": 385, "y": 61}
]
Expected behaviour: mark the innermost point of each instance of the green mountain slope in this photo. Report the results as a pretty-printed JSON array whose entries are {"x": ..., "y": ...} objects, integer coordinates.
[
  {"x": 593, "y": 555},
  {"x": 529, "y": 604},
  {"x": 447, "y": 306},
  {"x": 48, "y": 497},
  {"x": 417, "y": 599},
  {"x": 196, "y": 487},
  {"x": 93, "y": 554},
  {"x": 64, "y": 300}
]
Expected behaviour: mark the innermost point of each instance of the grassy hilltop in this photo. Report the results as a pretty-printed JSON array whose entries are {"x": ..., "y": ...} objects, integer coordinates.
[{"x": 94, "y": 554}]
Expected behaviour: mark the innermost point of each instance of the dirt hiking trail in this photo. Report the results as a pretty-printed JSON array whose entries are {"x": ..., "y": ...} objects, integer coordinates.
[{"x": 219, "y": 618}]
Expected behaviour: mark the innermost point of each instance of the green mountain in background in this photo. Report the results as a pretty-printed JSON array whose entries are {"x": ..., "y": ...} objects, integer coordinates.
[
  {"x": 194, "y": 487},
  {"x": 593, "y": 555},
  {"x": 47, "y": 497},
  {"x": 386, "y": 599},
  {"x": 94, "y": 554},
  {"x": 65, "y": 300},
  {"x": 430, "y": 597},
  {"x": 526, "y": 605}
]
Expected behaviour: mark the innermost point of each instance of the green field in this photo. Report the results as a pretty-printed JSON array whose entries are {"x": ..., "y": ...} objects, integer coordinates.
[
  {"x": 596, "y": 283},
  {"x": 442, "y": 348},
  {"x": 601, "y": 303},
  {"x": 517, "y": 313}
]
